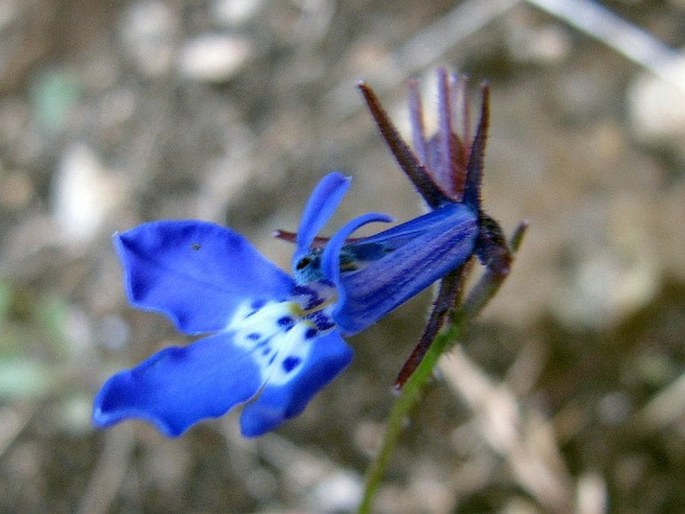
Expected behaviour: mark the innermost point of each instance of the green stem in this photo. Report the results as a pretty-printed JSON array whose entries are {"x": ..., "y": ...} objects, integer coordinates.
[{"x": 406, "y": 401}]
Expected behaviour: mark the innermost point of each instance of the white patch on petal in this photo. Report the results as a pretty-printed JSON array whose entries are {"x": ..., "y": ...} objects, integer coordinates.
[
  {"x": 294, "y": 351},
  {"x": 278, "y": 336}
]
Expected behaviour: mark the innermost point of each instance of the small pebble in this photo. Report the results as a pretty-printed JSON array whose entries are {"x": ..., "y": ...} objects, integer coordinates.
[
  {"x": 148, "y": 33},
  {"x": 213, "y": 58},
  {"x": 657, "y": 109}
]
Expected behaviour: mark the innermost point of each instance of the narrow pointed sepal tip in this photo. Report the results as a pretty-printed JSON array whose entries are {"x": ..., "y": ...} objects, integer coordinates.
[{"x": 518, "y": 235}]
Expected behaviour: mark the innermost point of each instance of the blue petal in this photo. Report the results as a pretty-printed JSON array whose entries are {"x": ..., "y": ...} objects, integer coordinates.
[
  {"x": 179, "y": 386},
  {"x": 196, "y": 273},
  {"x": 385, "y": 242},
  {"x": 330, "y": 260},
  {"x": 321, "y": 205},
  {"x": 379, "y": 286},
  {"x": 302, "y": 369}
]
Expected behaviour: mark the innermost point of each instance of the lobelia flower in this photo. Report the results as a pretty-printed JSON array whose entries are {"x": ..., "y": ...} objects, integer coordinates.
[
  {"x": 274, "y": 341},
  {"x": 446, "y": 169}
]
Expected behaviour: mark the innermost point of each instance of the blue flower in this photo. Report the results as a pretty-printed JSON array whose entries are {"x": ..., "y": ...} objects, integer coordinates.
[
  {"x": 274, "y": 340},
  {"x": 446, "y": 170}
]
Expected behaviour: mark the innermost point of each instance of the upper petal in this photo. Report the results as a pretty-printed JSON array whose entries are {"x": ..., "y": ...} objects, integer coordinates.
[
  {"x": 321, "y": 205},
  {"x": 303, "y": 367},
  {"x": 400, "y": 266},
  {"x": 197, "y": 273},
  {"x": 330, "y": 259},
  {"x": 381, "y": 244},
  {"x": 179, "y": 386}
]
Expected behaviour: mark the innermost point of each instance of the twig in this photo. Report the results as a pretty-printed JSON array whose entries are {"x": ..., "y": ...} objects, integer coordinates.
[
  {"x": 109, "y": 471},
  {"x": 426, "y": 48},
  {"x": 524, "y": 440},
  {"x": 632, "y": 42},
  {"x": 13, "y": 419},
  {"x": 665, "y": 408}
]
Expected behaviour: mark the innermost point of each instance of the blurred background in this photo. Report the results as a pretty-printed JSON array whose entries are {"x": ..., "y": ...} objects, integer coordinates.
[{"x": 569, "y": 392}]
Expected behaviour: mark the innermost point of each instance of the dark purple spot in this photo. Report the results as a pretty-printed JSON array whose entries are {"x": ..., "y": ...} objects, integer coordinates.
[
  {"x": 290, "y": 363},
  {"x": 309, "y": 297},
  {"x": 301, "y": 290},
  {"x": 257, "y": 304},
  {"x": 322, "y": 321},
  {"x": 266, "y": 350},
  {"x": 311, "y": 333},
  {"x": 254, "y": 336},
  {"x": 285, "y": 321}
]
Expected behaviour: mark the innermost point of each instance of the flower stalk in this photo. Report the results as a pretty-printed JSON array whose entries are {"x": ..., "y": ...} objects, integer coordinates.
[{"x": 412, "y": 391}]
